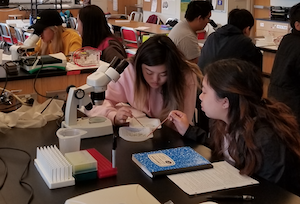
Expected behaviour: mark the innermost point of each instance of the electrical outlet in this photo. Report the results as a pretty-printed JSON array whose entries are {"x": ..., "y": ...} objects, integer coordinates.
[{"x": 58, "y": 94}]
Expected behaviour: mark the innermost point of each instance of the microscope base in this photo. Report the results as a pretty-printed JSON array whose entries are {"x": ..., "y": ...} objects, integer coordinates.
[{"x": 94, "y": 129}]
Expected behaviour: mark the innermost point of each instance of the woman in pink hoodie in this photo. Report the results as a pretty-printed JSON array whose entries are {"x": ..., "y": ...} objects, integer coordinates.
[{"x": 157, "y": 80}]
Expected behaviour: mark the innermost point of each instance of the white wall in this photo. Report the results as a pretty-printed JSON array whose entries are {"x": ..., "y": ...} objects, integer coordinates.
[
  {"x": 173, "y": 11},
  {"x": 220, "y": 17},
  {"x": 285, "y": 3},
  {"x": 101, "y": 3}
]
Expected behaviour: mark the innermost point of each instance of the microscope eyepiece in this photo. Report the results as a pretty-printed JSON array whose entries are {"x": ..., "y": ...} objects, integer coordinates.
[
  {"x": 114, "y": 62},
  {"x": 213, "y": 23},
  {"x": 123, "y": 64}
]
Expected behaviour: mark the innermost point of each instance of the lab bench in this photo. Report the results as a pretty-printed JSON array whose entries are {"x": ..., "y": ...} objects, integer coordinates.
[{"x": 45, "y": 81}]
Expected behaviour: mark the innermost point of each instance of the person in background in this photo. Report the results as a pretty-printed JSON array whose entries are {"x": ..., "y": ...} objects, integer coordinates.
[
  {"x": 285, "y": 76},
  {"x": 258, "y": 136},
  {"x": 157, "y": 80},
  {"x": 54, "y": 37},
  {"x": 95, "y": 32},
  {"x": 184, "y": 33},
  {"x": 232, "y": 41}
]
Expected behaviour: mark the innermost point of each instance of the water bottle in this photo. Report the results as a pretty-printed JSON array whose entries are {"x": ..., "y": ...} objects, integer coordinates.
[{"x": 30, "y": 20}]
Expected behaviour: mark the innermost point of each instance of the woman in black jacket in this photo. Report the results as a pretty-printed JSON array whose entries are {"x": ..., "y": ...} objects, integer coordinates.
[{"x": 256, "y": 135}]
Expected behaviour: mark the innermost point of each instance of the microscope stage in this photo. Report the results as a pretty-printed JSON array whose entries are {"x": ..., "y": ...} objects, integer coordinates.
[{"x": 99, "y": 126}]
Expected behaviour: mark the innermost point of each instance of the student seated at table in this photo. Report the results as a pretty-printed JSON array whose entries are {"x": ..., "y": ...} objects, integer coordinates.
[
  {"x": 285, "y": 75},
  {"x": 232, "y": 41},
  {"x": 258, "y": 136},
  {"x": 95, "y": 32},
  {"x": 54, "y": 37},
  {"x": 157, "y": 80},
  {"x": 184, "y": 34}
]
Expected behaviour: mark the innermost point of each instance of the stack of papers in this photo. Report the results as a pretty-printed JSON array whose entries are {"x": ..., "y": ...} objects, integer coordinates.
[
  {"x": 122, "y": 21},
  {"x": 142, "y": 28},
  {"x": 221, "y": 176}
]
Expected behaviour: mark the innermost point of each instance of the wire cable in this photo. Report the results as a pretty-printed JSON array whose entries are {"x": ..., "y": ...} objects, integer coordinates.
[
  {"x": 5, "y": 173},
  {"x": 6, "y": 78},
  {"x": 47, "y": 105},
  {"x": 34, "y": 85},
  {"x": 35, "y": 79},
  {"x": 26, "y": 170},
  {"x": 36, "y": 76}
]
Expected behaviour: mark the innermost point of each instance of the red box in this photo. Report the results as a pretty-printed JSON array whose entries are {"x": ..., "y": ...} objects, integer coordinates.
[{"x": 104, "y": 165}]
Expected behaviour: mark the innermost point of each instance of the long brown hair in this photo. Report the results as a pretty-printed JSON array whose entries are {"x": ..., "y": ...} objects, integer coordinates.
[
  {"x": 56, "y": 43},
  {"x": 159, "y": 50},
  {"x": 241, "y": 82}
]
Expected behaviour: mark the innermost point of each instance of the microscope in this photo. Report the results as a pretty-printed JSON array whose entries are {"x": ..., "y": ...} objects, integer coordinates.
[
  {"x": 28, "y": 46},
  {"x": 34, "y": 63},
  {"x": 80, "y": 97}
]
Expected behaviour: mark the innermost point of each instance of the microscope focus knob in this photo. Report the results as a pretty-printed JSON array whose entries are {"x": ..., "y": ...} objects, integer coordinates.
[{"x": 79, "y": 93}]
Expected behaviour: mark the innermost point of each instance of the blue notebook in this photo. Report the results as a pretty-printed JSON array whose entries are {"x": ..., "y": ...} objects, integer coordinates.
[{"x": 170, "y": 161}]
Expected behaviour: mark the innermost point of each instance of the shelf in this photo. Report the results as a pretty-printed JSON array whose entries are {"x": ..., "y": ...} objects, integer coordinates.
[{"x": 34, "y": 6}]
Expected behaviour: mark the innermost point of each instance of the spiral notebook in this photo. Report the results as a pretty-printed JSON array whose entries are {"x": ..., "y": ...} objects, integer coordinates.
[{"x": 170, "y": 161}]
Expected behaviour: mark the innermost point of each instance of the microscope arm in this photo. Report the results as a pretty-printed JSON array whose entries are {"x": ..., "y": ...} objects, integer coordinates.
[
  {"x": 78, "y": 97},
  {"x": 73, "y": 102},
  {"x": 29, "y": 44}
]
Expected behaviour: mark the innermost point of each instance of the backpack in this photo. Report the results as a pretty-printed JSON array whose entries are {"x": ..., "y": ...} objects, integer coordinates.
[{"x": 152, "y": 19}]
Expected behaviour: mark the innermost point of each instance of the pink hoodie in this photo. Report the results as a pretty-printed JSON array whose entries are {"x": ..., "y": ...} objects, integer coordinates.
[{"x": 123, "y": 91}]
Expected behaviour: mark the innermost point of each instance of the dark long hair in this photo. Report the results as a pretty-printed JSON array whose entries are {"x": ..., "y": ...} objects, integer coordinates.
[
  {"x": 242, "y": 84},
  {"x": 160, "y": 50},
  {"x": 94, "y": 26}
]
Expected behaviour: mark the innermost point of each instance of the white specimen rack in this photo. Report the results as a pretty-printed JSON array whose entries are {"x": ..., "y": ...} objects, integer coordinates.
[{"x": 53, "y": 167}]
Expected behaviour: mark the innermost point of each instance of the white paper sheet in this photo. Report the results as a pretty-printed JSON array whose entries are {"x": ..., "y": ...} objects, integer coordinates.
[
  {"x": 6, "y": 57},
  {"x": 142, "y": 28},
  {"x": 221, "y": 176},
  {"x": 115, "y": 5},
  {"x": 154, "y": 6},
  {"x": 122, "y": 21},
  {"x": 168, "y": 7}
]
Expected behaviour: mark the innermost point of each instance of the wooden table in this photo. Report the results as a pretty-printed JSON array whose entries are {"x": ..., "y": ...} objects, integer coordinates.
[
  {"x": 269, "y": 52},
  {"x": 139, "y": 26},
  {"x": 46, "y": 81}
]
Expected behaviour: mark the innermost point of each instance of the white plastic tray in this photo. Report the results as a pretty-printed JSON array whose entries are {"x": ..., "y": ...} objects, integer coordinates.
[{"x": 135, "y": 134}]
